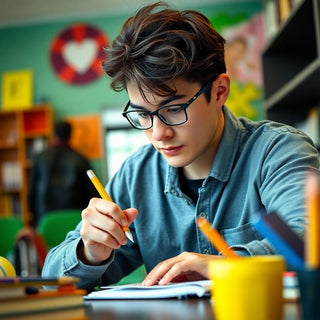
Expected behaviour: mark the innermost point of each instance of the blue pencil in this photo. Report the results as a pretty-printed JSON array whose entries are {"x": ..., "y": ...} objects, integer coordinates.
[{"x": 278, "y": 237}]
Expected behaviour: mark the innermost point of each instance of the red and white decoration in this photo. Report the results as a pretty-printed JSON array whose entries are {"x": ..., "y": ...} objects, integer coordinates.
[{"x": 77, "y": 53}]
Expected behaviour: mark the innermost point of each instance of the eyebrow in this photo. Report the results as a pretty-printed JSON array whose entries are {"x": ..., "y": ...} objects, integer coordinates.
[{"x": 162, "y": 103}]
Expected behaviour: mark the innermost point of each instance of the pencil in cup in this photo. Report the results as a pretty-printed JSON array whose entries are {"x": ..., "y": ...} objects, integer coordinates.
[
  {"x": 104, "y": 195},
  {"x": 312, "y": 240},
  {"x": 215, "y": 238}
]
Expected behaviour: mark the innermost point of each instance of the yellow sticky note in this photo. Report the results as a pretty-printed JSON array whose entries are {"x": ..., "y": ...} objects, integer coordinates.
[{"x": 17, "y": 90}]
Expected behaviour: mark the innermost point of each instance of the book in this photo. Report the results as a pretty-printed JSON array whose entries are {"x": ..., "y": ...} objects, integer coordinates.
[
  {"x": 44, "y": 300},
  {"x": 13, "y": 287},
  {"x": 291, "y": 291},
  {"x": 70, "y": 313},
  {"x": 137, "y": 291},
  {"x": 284, "y": 10},
  {"x": 271, "y": 16},
  {"x": 12, "y": 292},
  {"x": 37, "y": 281}
]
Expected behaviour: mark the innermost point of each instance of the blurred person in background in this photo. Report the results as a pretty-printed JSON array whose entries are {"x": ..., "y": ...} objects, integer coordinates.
[{"x": 58, "y": 177}]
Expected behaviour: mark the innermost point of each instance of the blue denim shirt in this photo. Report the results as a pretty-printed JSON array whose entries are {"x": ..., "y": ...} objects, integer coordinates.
[{"x": 259, "y": 167}]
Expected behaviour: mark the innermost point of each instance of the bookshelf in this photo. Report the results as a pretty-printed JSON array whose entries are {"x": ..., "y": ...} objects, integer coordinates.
[
  {"x": 23, "y": 133},
  {"x": 291, "y": 64}
]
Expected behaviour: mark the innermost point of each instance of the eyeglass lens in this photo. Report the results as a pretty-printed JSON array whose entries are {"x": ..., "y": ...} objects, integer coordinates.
[{"x": 171, "y": 115}]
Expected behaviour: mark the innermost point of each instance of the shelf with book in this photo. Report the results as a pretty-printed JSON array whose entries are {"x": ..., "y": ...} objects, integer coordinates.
[
  {"x": 23, "y": 133},
  {"x": 291, "y": 65}
]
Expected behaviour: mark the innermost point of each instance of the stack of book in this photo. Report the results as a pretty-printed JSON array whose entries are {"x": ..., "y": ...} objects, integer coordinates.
[{"x": 26, "y": 299}]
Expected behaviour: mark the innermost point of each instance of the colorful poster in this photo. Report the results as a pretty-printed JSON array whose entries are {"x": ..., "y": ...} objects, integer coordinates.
[
  {"x": 17, "y": 90},
  {"x": 245, "y": 40}
]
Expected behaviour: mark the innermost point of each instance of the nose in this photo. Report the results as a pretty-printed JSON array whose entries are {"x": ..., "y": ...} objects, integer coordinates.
[{"x": 161, "y": 131}]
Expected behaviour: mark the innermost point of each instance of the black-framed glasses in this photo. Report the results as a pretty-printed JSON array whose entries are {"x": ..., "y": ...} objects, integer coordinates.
[{"x": 172, "y": 115}]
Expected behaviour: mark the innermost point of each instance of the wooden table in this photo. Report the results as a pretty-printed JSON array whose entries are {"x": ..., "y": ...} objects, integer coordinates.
[{"x": 170, "y": 309}]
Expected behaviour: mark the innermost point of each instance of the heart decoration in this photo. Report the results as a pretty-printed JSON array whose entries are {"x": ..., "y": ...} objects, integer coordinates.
[
  {"x": 80, "y": 55},
  {"x": 77, "y": 53}
]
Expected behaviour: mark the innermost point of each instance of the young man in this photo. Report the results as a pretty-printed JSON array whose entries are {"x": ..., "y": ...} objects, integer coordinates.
[{"x": 202, "y": 161}]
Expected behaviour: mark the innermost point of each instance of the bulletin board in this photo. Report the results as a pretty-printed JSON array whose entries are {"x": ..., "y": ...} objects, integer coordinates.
[{"x": 87, "y": 137}]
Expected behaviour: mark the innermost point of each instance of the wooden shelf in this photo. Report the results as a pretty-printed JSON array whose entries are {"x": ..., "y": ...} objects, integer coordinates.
[
  {"x": 22, "y": 133},
  {"x": 8, "y": 145}
]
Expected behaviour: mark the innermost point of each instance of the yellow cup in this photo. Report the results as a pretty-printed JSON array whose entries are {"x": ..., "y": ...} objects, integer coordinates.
[{"x": 247, "y": 288}]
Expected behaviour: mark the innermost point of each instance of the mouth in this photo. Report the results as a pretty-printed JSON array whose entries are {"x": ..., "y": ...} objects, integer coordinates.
[{"x": 171, "y": 151}]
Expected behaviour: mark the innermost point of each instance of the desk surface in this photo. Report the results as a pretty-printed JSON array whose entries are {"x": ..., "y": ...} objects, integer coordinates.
[{"x": 171, "y": 309}]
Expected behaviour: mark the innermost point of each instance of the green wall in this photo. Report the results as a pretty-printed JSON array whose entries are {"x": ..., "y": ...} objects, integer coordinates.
[{"x": 27, "y": 47}]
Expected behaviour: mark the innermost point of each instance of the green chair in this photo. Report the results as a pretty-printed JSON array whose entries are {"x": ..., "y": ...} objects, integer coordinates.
[
  {"x": 9, "y": 227},
  {"x": 55, "y": 225}
]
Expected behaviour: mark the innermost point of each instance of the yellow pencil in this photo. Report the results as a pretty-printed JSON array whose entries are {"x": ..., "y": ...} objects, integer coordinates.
[
  {"x": 215, "y": 238},
  {"x": 104, "y": 195},
  {"x": 312, "y": 241}
]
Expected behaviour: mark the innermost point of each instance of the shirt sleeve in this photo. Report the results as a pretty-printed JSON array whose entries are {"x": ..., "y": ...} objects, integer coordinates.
[
  {"x": 287, "y": 160},
  {"x": 62, "y": 260}
]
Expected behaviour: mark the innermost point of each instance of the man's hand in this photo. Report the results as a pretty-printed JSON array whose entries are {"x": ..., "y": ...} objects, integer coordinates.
[
  {"x": 187, "y": 266},
  {"x": 101, "y": 230}
]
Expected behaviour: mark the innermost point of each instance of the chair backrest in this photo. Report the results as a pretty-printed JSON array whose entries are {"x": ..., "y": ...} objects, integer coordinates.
[
  {"x": 55, "y": 225},
  {"x": 9, "y": 227}
]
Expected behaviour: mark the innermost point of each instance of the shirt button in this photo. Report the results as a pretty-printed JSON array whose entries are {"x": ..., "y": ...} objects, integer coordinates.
[
  {"x": 187, "y": 202},
  {"x": 203, "y": 215},
  {"x": 205, "y": 251}
]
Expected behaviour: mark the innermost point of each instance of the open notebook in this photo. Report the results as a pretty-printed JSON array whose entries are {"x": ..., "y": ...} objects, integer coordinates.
[
  {"x": 137, "y": 291},
  {"x": 180, "y": 290}
]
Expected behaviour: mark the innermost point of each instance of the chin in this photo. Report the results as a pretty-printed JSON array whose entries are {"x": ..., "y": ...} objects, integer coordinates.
[{"x": 176, "y": 163}]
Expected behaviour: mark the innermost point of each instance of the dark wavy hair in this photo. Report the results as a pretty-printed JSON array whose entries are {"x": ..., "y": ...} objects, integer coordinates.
[{"x": 155, "y": 47}]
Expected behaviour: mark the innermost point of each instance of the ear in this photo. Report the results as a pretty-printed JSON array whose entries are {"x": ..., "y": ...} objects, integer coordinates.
[{"x": 221, "y": 89}]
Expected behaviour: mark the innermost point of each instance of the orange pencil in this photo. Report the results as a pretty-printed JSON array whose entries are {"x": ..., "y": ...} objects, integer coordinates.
[
  {"x": 312, "y": 240},
  {"x": 215, "y": 238},
  {"x": 104, "y": 195}
]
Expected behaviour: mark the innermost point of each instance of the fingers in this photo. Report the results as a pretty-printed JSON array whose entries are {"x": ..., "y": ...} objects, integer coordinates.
[
  {"x": 187, "y": 265},
  {"x": 130, "y": 214},
  {"x": 164, "y": 272},
  {"x": 102, "y": 228},
  {"x": 101, "y": 222},
  {"x": 109, "y": 209}
]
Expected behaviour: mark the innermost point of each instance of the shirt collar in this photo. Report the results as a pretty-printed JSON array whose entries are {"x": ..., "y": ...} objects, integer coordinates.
[
  {"x": 228, "y": 148},
  {"x": 224, "y": 159}
]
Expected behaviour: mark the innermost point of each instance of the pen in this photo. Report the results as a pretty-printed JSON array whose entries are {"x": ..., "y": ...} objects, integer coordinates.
[
  {"x": 215, "y": 238},
  {"x": 104, "y": 195},
  {"x": 312, "y": 242}
]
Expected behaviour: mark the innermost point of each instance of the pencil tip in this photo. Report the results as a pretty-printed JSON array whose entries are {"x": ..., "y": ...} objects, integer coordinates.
[
  {"x": 90, "y": 174},
  {"x": 129, "y": 236}
]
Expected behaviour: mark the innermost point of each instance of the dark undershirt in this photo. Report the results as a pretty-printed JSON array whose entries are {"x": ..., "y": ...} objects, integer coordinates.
[{"x": 190, "y": 187}]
